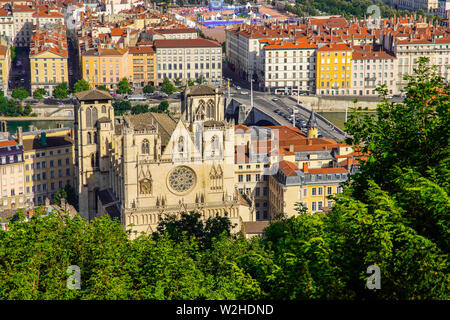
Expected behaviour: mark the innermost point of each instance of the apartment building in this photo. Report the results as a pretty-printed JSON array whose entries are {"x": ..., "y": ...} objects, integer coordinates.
[
  {"x": 310, "y": 187},
  {"x": 372, "y": 66},
  {"x": 11, "y": 174},
  {"x": 178, "y": 33},
  {"x": 23, "y": 24},
  {"x": 7, "y": 24},
  {"x": 288, "y": 64},
  {"x": 189, "y": 59},
  {"x": 105, "y": 66},
  {"x": 415, "y": 5},
  {"x": 5, "y": 65},
  {"x": 434, "y": 46},
  {"x": 243, "y": 48},
  {"x": 49, "y": 164},
  {"x": 48, "y": 57},
  {"x": 142, "y": 65},
  {"x": 334, "y": 69}
]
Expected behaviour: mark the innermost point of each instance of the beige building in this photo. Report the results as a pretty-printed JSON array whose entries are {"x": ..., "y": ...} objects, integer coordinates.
[
  {"x": 189, "y": 59},
  {"x": 5, "y": 66},
  {"x": 139, "y": 167},
  {"x": 11, "y": 173},
  {"x": 49, "y": 163}
]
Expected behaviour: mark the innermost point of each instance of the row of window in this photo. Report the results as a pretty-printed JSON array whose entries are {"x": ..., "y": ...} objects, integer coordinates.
[
  {"x": 43, "y": 154},
  {"x": 11, "y": 159},
  {"x": 248, "y": 191},
  {"x": 188, "y": 51},
  {"x": 43, "y": 175},
  {"x": 174, "y": 66},
  {"x": 11, "y": 170},
  {"x": 39, "y": 165},
  {"x": 248, "y": 177},
  {"x": 188, "y": 58}
]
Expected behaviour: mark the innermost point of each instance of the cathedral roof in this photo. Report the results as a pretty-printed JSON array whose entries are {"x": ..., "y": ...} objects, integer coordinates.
[
  {"x": 93, "y": 94},
  {"x": 203, "y": 90},
  {"x": 213, "y": 123},
  {"x": 150, "y": 120}
]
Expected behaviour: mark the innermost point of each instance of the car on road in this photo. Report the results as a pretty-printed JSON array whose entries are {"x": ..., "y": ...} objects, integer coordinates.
[
  {"x": 275, "y": 99},
  {"x": 238, "y": 88},
  {"x": 244, "y": 92}
]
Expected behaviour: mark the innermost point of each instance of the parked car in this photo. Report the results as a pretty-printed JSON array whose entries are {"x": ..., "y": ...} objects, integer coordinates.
[
  {"x": 238, "y": 88},
  {"x": 244, "y": 92},
  {"x": 275, "y": 99}
]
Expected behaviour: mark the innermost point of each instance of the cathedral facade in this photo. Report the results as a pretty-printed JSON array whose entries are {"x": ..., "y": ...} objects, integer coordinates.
[{"x": 140, "y": 167}]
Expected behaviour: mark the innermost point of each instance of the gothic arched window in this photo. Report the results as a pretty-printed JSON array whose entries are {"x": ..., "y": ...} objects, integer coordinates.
[
  {"x": 94, "y": 116},
  {"x": 145, "y": 147},
  {"x": 88, "y": 118},
  {"x": 95, "y": 137},
  {"x": 200, "y": 112},
  {"x": 214, "y": 143},
  {"x": 210, "y": 109},
  {"x": 103, "y": 109},
  {"x": 89, "y": 138},
  {"x": 181, "y": 144},
  {"x": 93, "y": 160}
]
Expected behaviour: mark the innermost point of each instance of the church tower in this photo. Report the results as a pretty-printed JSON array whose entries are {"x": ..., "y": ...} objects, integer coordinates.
[
  {"x": 312, "y": 126},
  {"x": 202, "y": 103},
  {"x": 94, "y": 126}
]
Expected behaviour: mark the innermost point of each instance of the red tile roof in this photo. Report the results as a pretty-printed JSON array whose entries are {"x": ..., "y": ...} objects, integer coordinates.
[{"x": 288, "y": 168}]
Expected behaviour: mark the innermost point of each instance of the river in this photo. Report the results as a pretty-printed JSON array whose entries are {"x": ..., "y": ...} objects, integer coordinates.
[
  {"x": 337, "y": 118},
  {"x": 40, "y": 124}
]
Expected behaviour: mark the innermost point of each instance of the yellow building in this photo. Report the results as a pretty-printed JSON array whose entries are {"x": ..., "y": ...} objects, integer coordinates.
[
  {"x": 49, "y": 163},
  {"x": 311, "y": 187},
  {"x": 48, "y": 58},
  {"x": 142, "y": 65},
  {"x": 333, "y": 69},
  {"x": 105, "y": 66},
  {"x": 5, "y": 65}
]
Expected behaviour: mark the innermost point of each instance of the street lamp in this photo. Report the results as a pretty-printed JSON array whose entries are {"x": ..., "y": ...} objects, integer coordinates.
[{"x": 294, "y": 111}]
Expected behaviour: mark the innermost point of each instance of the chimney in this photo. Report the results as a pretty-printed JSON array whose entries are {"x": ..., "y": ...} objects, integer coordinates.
[
  {"x": 43, "y": 139},
  {"x": 4, "y": 126},
  {"x": 291, "y": 148},
  {"x": 19, "y": 135},
  {"x": 305, "y": 167},
  {"x": 309, "y": 142}
]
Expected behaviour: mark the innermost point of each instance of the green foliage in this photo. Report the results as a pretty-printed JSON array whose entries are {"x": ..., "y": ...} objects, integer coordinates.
[
  {"x": 61, "y": 91},
  {"x": 81, "y": 85},
  {"x": 68, "y": 193},
  {"x": 140, "y": 108},
  {"x": 148, "y": 89},
  {"x": 123, "y": 87},
  {"x": 167, "y": 86},
  {"x": 163, "y": 107},
  {"x": 20, "y": 93},
  {"x": 10, "y": 108},
  {"x": 103, "y": 87},
  {"x": 394, "y": 214},
  {"x": 121, "y": 106},
  {"x": 39, "y": 93},
  {"x": 191, "y": 82},
  {"x": 346, "y": 8}
]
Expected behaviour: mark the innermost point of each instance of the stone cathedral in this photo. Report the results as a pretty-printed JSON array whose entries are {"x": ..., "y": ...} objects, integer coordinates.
[{"x": 140, "y": 167}]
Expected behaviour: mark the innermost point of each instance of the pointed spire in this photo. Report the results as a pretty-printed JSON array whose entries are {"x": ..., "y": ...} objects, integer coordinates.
[{"x": 312, "y": 122}]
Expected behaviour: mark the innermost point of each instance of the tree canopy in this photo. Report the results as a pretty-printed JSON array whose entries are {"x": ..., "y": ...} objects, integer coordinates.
[
  {"x": 123, "y": 87},
  {"x": 393, "y": 213},
  {"x": 20, "y": 93},
  {"x": 61, "y": 91},
  {"x": 81, "y": 85}
]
